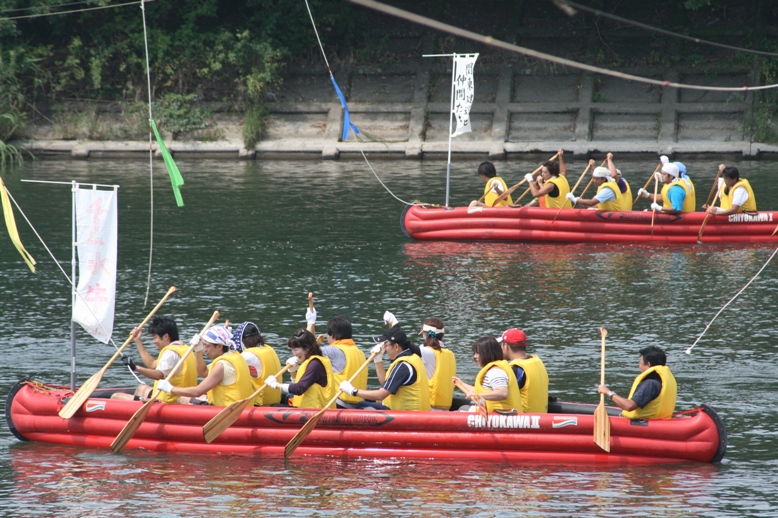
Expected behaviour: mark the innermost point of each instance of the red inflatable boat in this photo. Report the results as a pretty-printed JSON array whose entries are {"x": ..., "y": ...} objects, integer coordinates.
[
  {"x": 583, "y": 225},
  {"x": 565, "y": 435}
]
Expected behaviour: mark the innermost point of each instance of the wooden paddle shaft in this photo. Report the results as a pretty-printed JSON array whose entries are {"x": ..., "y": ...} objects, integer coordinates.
[
  {"x": 648, "y": 182},
  {"x": 603, "y": 334}
]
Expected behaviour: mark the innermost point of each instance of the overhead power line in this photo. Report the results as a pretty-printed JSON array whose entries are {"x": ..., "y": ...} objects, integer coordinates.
[{"x": 489, "y": 40}]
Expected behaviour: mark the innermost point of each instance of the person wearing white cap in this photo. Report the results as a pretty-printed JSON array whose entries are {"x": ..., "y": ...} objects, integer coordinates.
[
  {"x": 550, "y": 186},
  {"x": 675, "y": 197},
  {"x": 691, "y": 200},
  {"x": 529, "y": 369},
  {"x": 626, "y": 192},
  {"x": 736, "y": 193},
  {"x": 608, "y": 196}
]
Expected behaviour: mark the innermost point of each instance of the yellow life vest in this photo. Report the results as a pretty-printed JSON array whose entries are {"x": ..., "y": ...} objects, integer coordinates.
[
  {"x": 270, "y": 365},
  {"x": 561, "y": 200},
  {"x": 612, "y": 204},
  {"x": 661, "y": 406},
  {"x": 490, "y": 196},
  {"x": 534, "y": 394},
  {"x": 726, "y": 199},
  {"x": 241, "y": 388},
  {"x": 355, "y": 358},
  {"x": 626, "y": 197},
  {"x": 410, "y": 397},
  {"x": 688, "y": 201},
  {"x": 186, "y": 378},
  {"x": 513, "y": 401},
  {"x": 441, "y": 387},
  {"x": 316, "y": 396}
]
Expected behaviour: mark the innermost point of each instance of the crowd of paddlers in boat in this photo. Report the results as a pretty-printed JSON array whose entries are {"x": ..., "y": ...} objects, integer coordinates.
[
  {"x": 334, "y": 375},
  {"x": 549, "y": 187}
]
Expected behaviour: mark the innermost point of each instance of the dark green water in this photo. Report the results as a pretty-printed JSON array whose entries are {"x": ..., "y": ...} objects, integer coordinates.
[{"x": 255, "y": 237}]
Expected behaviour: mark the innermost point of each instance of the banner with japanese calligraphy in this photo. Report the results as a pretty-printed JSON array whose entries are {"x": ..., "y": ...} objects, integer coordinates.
[
  {"x": 464, "y": 91},
  {"x": 96, "y": 238}
]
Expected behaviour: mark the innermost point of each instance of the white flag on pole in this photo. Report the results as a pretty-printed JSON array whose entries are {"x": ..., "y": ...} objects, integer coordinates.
[
  {"x": 96, "y": 237},
  {"x": 464, "y": 91}
]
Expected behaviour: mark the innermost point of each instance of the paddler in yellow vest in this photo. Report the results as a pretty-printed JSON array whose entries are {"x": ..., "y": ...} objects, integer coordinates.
[
  {"x": 493, "y": 188},
  {"x": 653, "y": 392},
  {"x": 226, "y": 379},
  {"x": 495, "y": 382},
  {"x": 261, "y": 359},
  {"x": 313, "y": 385},
  {"x": 625, "y": 192},
  {"x": 550, "y": 185},
  {"x": 691, "y": 200},
  {"x": 405, "y": 385},
  {"x": 736, "y": 193},
  {"x": 675, "y": 197},
  {"x": 608, "y": 195},
  {"x": 440, "y": 364},
  {"x": 344, "y": 355},
  {"x": 164, "y": 335},
  {"x": 530, "y": 372}
]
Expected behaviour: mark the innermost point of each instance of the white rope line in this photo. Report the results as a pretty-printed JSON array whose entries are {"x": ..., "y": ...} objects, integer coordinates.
[
  {"x": 70, "y": 281},
  {"x": 488, "y": 40},
  {"x": 689, "y": 350},
  {"x": 69, "y": 12},
  {"x": 647, "y": 27},
  {"x": 151, "y": 158},
  {"x": 361, "y": 151}
]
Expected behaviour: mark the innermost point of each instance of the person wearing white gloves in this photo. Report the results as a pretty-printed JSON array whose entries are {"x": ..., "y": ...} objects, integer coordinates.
[
  {"x": 226, "y": 379},
  {"x": 164, "y": 336},
  {"x": 550, "y": 187},
  {"x": 608, "y": 195},
  {"x": 735, "y": 193},
  {"x": 495, "y": 186},
  {"x": 261, "y": 359},
  {"x": 624, "y": 189},
  {"x": 404, "y": 386},
  {"x": 677, "y": 196},
  {"x": 314, "y": 383}
]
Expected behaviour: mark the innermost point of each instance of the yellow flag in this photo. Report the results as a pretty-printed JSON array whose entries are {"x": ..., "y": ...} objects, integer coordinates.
[{"x": 10, "y": 222}]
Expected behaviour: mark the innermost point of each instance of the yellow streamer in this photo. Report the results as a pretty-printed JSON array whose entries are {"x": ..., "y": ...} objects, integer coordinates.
[{"x": 10, "y": 222}]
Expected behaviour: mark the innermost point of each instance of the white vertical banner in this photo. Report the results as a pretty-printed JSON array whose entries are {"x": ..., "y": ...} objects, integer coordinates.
[
  {"x": 96, "y": 237},
  {"x": 464, "y": 91}
]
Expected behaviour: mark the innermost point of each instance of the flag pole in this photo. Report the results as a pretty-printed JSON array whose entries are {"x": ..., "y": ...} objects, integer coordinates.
[
  {"x": 73, "y": 263},
  {"x": 450, "y": 125}
]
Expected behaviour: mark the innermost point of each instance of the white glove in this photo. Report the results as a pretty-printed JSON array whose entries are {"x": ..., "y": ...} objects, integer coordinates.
[
  {"x": 720, "y": 183},
  {"x": 664, "y": 159},
  {"x": 310, "y": 315},
  {"x": 390, "y": 319},
  {"x": 656, "y": 207},
  {"x": 378, "y": 350},
  {"x": 642, "y": 193},
  {"x": 292, "y": 363},
  {"x": 347, "y": 387},
  {"x": 571, "y": 197},
  {"x": 658, "y": 176},
  {"x": 197, "y": 342},
  {"x": 165, "y": 386},
  {"x": 271, "y": 382},
  {"x": 528, "y": 177}
]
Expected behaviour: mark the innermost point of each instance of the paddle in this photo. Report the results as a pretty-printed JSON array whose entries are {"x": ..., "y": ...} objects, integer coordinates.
[
  {"x": 602, "y": 426},
  {"x": 475, "y": 398},
  {"x": 715, "y": 184},
  {"x": 140, "y": 415},
  {"x": 573, "y": 190},
  {"x": 311, "y": 423},
  {"x": 653, "y": 212},
  {"x": 231, "y": 413},
  {"x": 83, "y": 393},
  {"x": 648, "y": 182},
  {"x": 708, "y": 215},
  {"x": 587, "y": 185},
  {"x": 523, "y": 180}
]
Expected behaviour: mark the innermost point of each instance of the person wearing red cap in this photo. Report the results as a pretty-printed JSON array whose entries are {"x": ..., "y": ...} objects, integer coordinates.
[{"x": 530, "y": 371}]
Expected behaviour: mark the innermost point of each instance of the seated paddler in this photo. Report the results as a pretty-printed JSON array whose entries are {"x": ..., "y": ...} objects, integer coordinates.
[
  {"x": 735, "y": 193},
  {"x": 550, "y": 186},
  {"x": 654, "y": 390},
  {"x": 261, "y": 359},
  {"x": 313, "y": 385},
  {"x": 226, "y": 379},
  {"x": 494, "y": 187},
  {"x": 676, "y": 195},
  {"x": 608, "y": 195},
  {"x": 404, "y": 386},
  {"x": 164, "y": 336},
  {"x": 495, "y": 382},
  {"x": 530, "y": 372}
]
